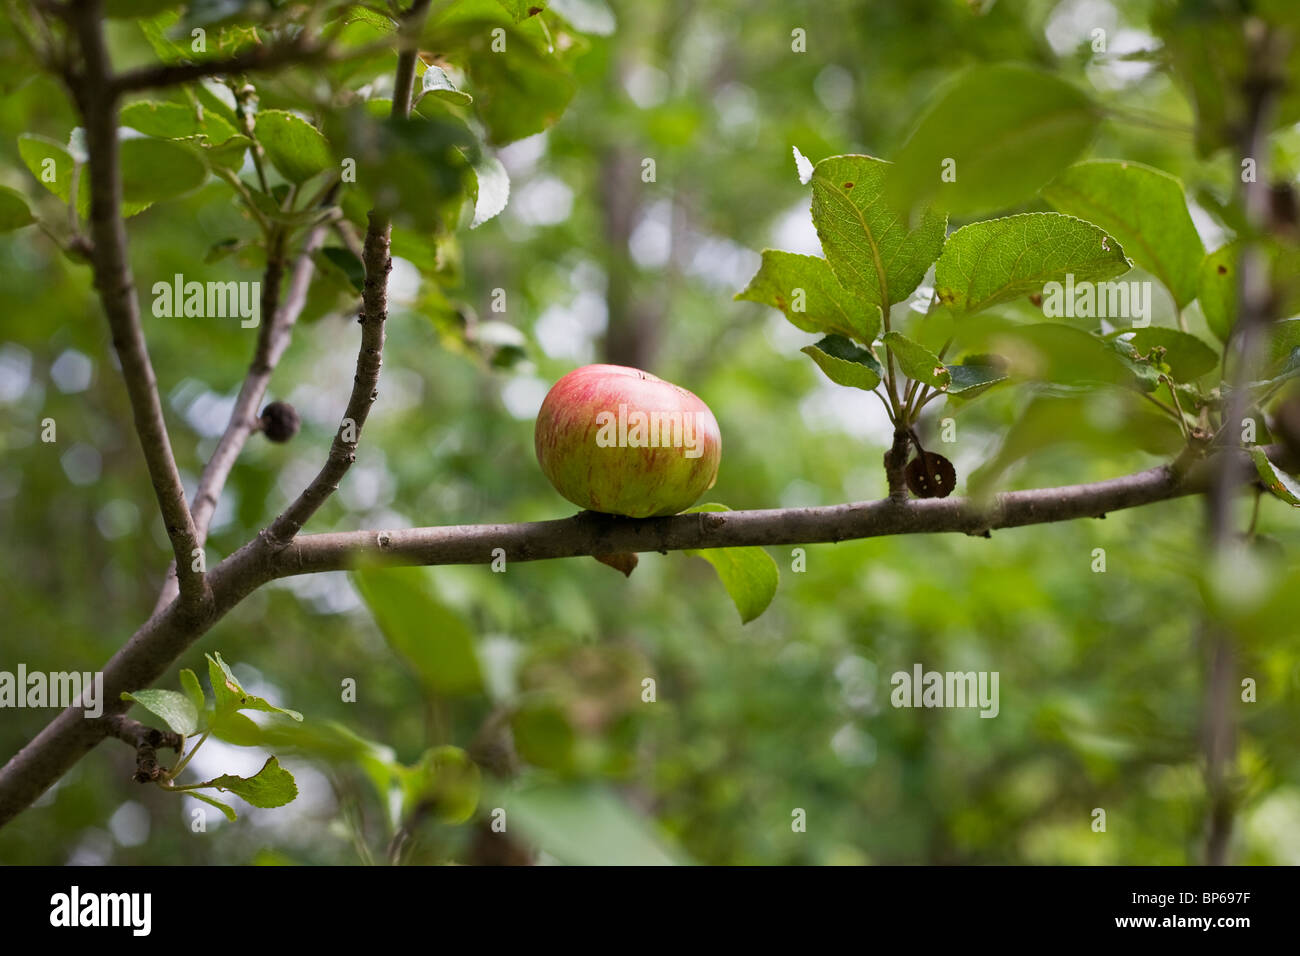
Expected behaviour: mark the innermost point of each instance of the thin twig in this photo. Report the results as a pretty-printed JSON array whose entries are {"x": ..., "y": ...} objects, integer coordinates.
[
  {"x": 278, "y": 320},
  {"x": 378, "y": 263}
]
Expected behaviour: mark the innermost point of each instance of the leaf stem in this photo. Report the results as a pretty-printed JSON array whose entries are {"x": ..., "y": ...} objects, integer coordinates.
[
  {"x": 246, "y": 197},
  {"x": 1168, "y": 410},
  {"x": 172, "y": 788},
  {"x": 246, "y": 118},
  {"x": 184, "y": 761},
  {"x": 1254, "y": 515},
  {"x": 1182, "y": 419},
  {"x": 883, "y": 401}
]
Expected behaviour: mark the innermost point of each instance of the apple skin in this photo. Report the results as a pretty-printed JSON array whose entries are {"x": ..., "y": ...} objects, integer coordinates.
[{"x": 639, "y": 482}]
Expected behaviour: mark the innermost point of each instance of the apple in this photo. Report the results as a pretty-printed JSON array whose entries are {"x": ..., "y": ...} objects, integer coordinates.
[{"x": 621, "y": 441}]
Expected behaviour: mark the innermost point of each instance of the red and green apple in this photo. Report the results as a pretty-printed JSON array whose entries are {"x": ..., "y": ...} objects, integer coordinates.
[{"x": 621, "y": 441}]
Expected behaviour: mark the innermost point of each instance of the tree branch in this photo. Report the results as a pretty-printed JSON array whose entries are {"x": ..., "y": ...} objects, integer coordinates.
[
  {"x": 365, "y": 389},
  {"x": 147, "y": 741},
  {"x": 896, "y": 463},
  {"x": 374, "y": 313},
  {"x": 98, "y": 106},
  {"x": 165, "y": 636},
  {"x": 588, "y": 533},
  {"x": 279, "y": 318},
  {"x": 296, "y": 52},
  {"x": 1256, "y": 310}
]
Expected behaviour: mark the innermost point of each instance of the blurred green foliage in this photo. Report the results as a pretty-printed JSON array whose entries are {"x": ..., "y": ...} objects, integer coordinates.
[{"x": 529, "y": 692}]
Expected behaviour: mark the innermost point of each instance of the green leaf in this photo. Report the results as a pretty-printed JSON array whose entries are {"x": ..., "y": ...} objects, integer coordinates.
[
  {"x": 1282, "y": 371},
  {"x": 523, "y": 9},
  {"x": 436, "y": 83},
  {"x": 214, "y": 105},
  {"x": 998, "y": 260},
  {"x": 972, "y": 378},
  {"x": 1008, "y": 130},
  {"x": 230, "y": 153},
  {"x": 327, "y": 741},
  {"x": 175, "y": 708},
  {"x": 544, "y": 737},
  {"x": 174, "y": 121},
  {"x": 1146, "y": 377},
  {"x": 517, "y": 92},
  {"x": 295, "y": 148},
  {"x": 157, "y": 32},
  {"x": 493, "y": 190},
  {"x": 229, "y": 811},
  {"x": 414, "y": 170},
  {"x": 152, "y": 170},
  {"x": 444, "y": 782},
  {"x": 866, "y": 242},
  {"x": 272, "y": 786},
  {"x": 1283, "y": 340},
  {"x": 14, "y": 213},
  {"x": 749, "y": 574},
  {"x": 18, "y": 64},
  {"x": 844, "y": 363},
  {"x": 1275, "y": 479},
  {"x": 349, "y": 267},
  {"x": 231, "y": 696},
  {"x": 1217, "y": 289},
  {"x": 236, "y": 728},
  {"x": 49, "y": 162},
  {"x": 805, "y": 290},
  {"x": 430, "y": 636},
  {"x": 1186, "y": 357},
  {"x": 917, "y": 362},
  {"x": 1218, "y": 284},
  {"x": 1050, "y": 352},
  {"x": 165, "y": 120},
  {"x": 193, "y": 690},
  {"x": 220, "y": 250},
  {"x": 583, "y": 825},
  {"x": 418, "y": 249},
  {"x": 931, "y": 328},
  {"x": 1107, "y": 423},
  {"x": 1144, "y": 209}
]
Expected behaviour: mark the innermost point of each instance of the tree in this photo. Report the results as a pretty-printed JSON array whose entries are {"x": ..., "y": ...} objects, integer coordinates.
[{"x": 340, "y": 178}]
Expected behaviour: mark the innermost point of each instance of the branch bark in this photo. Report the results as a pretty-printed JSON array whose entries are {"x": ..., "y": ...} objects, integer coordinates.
[
  {"x": 147, "y": 741},
  {"x": 588, "y": 533},
  {"x": 296, "y": 52},
  {"x": 374, "y": 314},
  {"x": 1256, "y": 309},
  {"x": 98, "y": 106},
  {"x": 165, "y": 636},
  {"x": 365, "y": 387}
]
